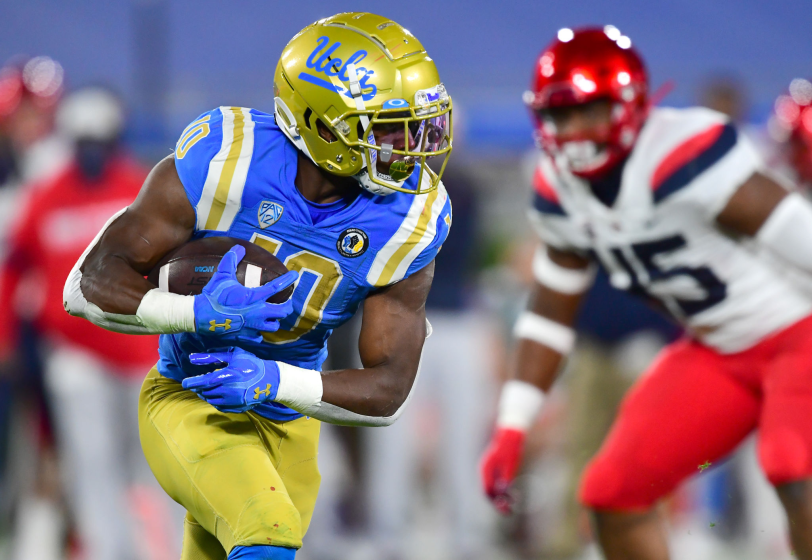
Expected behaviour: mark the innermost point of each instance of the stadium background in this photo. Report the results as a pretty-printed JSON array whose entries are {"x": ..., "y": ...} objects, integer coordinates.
[{"x": 172, "y": 60}]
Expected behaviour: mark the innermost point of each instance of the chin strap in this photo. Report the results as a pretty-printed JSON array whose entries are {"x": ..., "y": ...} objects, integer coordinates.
[{"x": 283, "y": 114}]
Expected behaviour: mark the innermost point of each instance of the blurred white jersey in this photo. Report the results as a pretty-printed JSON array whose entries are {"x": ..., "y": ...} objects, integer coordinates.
[{"x": 659, "y": 237}]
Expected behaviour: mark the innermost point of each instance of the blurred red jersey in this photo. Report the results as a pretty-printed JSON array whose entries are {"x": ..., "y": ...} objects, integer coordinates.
[{"x": 56, "y": 223}]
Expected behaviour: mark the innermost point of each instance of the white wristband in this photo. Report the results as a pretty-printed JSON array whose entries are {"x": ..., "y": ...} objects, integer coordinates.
[
  {"x": 561, "y": 279},
  {"x": 165, "y": 313},
  {"x": 544, "y": 331},
  {"x": 300, "y": 389},
  {"x": 519, "y": 405}
]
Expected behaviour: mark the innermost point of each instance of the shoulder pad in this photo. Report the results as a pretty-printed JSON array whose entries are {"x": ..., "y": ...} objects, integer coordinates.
[
  {"x": 212, "y": 158},
  {"x": 545, "y": 196},
  {"x": 678, "y": 145},
  {"x": 416, "y": 241}
]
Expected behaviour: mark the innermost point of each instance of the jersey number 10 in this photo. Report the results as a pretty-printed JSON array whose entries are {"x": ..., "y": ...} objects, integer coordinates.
[{"x": 327, "y": 275}]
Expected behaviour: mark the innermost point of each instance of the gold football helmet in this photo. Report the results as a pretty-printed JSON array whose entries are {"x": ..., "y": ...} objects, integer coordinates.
[{"x": 359, "y": 96}]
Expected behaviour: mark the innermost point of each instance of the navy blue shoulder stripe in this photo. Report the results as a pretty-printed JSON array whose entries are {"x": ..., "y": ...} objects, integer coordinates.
[
  {"x": 547, "y": 206},
  {"x": 697, "y": 165}
]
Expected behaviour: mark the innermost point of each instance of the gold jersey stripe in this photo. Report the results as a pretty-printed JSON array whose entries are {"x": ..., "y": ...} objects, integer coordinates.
[
  {"x": 417, "y": 234},
  {"x": 218, "y": 205}
]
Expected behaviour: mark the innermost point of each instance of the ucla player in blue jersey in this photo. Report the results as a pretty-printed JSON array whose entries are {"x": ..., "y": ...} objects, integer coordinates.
[{"x": 335, "y": 183}]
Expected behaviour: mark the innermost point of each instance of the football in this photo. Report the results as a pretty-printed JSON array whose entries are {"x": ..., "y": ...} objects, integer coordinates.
[{"x": 187, "y": 269}]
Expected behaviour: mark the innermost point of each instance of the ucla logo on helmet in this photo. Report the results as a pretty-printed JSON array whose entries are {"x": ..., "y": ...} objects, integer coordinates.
[
  {"x": 324, "y": 61},
  {"x": 352, "y": 242},
  {"x": 269, "y": 213}
]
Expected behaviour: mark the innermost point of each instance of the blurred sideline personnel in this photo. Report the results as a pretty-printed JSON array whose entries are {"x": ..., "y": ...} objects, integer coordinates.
[
  {"x": 30, "y": 90},
  {"x": 665, "y": 200},
  {"x": 92, "y": 378},
  {"x": 335, "y": 183},
  {"x": 454, "y": 383},
  {"x": 30, "y": 151}
]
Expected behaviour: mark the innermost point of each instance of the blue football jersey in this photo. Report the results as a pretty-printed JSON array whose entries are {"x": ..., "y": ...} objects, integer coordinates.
[{"x": 238, "y": 170}]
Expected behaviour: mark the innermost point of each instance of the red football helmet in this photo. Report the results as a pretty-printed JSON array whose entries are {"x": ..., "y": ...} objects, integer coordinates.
[
  {"x": 791, "y": 124},
  {"x": 40, "y": 79},
  {"x": 579, "y": 67}
]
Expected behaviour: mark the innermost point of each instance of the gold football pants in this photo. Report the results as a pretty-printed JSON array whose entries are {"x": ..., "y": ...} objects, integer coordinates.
[{"x": 243, "y": 479}]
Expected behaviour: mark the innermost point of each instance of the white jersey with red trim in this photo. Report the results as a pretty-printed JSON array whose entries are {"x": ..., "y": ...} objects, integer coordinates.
[{"x": 658, "y": 237}]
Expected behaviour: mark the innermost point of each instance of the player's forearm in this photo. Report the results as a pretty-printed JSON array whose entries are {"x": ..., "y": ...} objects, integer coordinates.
[
  {"x": 378, "y": 391},
  {"x": 113, "y": 285},
  {"x": 121, "y": 300},
  {"x": 545, "y": 336},
  {"x": 372, "y": 397},
  {"x": 536, "y": 364}
]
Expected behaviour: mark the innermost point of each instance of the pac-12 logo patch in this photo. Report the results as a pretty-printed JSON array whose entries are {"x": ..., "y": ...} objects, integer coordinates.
[
  {"x": 269, "y": 213},
  {"x": 352, "y": 242}
]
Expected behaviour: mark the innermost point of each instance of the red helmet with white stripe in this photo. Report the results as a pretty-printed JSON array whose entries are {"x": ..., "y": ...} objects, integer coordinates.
[{"x": 586, "y": 65}]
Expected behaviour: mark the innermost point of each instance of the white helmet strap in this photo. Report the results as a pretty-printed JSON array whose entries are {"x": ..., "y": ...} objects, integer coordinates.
[{"x": 363, "y": 177}]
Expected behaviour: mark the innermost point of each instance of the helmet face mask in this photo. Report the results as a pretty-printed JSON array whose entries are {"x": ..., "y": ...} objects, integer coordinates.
[
  {"x": 579, "y": 135},
  {"x": 577, "y": 72},
  {"x": 395, "y": 139},
  {"x": 365, "y": 78}
]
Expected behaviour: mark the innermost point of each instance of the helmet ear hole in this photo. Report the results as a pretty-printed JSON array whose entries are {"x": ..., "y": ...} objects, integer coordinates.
[
  {"x": 306, "y": 116},
  {"x": 325, "y": 133}
]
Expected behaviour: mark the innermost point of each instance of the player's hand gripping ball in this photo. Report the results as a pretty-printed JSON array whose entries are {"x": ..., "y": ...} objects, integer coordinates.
[
  {"x": 235, "y": 313},
  {"x": 499, "y": 466},
  {"x": 243, "y": 383}
]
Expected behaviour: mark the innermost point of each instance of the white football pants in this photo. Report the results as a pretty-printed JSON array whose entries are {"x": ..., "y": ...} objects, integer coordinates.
[{"x": 121, "y": 512}]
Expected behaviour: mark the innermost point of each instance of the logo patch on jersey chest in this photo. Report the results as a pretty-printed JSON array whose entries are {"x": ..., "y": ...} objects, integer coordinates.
[
  {"x": 269, "y": 213},
  {"x": 352, "y": 242}
]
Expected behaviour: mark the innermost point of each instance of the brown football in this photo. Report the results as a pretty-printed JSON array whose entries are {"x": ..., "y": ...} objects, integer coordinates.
[{"x": 187, "y": 269}]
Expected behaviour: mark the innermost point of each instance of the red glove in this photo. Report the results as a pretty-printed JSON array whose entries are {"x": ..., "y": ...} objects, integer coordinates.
[{"x": 500, "y": 464}]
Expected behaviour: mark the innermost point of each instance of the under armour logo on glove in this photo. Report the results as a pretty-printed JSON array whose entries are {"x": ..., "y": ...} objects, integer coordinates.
[
  {"x": 214, "y": 324},
  {"x": 266, "y": 391},
  {"x": 235, "y": 387}
]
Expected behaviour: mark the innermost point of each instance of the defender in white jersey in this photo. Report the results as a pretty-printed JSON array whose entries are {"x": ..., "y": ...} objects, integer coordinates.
[{"x": 673, "y": 204}]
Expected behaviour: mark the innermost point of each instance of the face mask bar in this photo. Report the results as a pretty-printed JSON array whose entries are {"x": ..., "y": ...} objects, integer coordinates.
[{"x": 429, "y": 126}]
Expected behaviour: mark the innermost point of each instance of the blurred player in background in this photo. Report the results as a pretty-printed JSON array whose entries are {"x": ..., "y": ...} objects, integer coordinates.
[
  {"x": 92, "y": 377},
  {"x": 30, "y": 151},
  {"x": 665, "y": 200},
  {"x": 791, "y": 126},
  {"x": 335, "y": 184}
]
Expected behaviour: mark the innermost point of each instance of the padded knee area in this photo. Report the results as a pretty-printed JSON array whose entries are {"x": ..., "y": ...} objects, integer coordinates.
[
  {"x": 606, "y": 486},
  {"x": 270, "y": 518},
  {"x": 785, "y": 457},
  {"x": 262, "y": 553}
]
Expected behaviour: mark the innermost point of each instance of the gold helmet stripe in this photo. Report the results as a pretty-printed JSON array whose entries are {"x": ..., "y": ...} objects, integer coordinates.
[
  {"x": 416, "y": 232},
  {"x": 222, "y": 192}
]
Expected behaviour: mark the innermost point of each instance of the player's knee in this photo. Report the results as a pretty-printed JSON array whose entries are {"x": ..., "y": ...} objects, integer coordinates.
[
  {"x": 785, "y": 457},
  {"x": 607, "y": 486},
  {"x": 262, "y": 552},
  {"x": 269, "y": 518}
]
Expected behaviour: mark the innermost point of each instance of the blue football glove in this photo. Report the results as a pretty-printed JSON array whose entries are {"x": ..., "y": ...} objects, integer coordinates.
[
  {"x": 243, "y": 383},
  {"x": 234, "y": 313}
]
